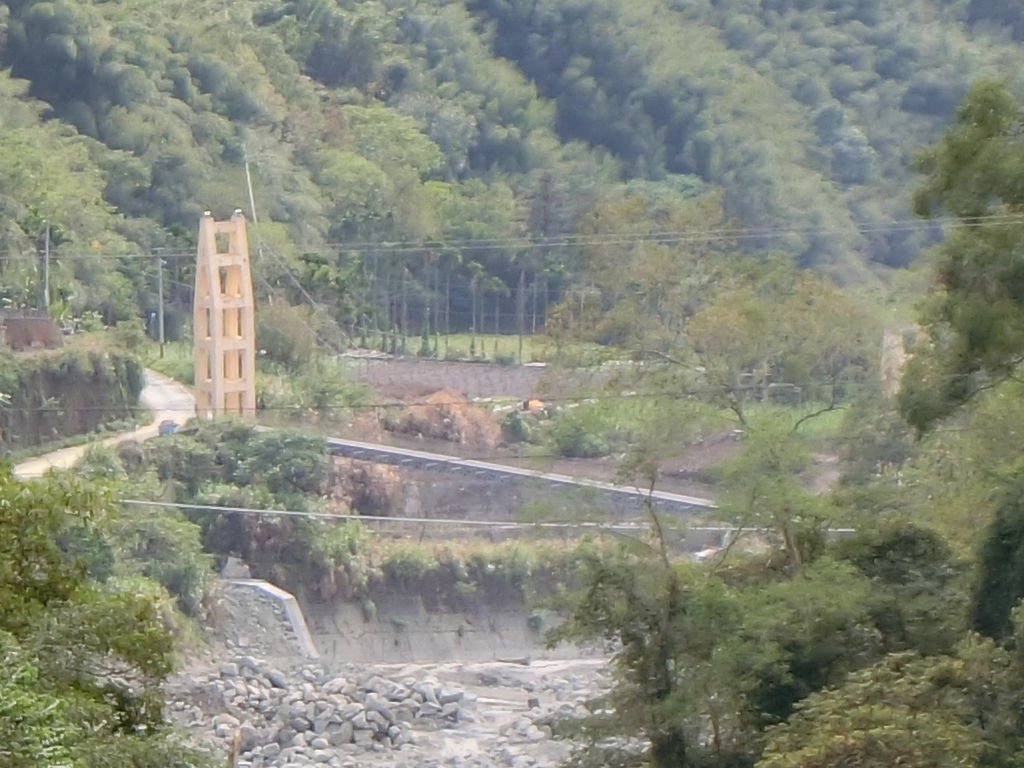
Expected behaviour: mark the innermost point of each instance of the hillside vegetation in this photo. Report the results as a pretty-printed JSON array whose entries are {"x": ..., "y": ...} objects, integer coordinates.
[
  {"x": 441, "y": 124},
  {"x": 48, "y": 396}
]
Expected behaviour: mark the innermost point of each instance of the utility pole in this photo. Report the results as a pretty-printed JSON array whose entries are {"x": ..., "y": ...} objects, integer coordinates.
[
  {"x": 46, "y": 268},
  {"x": 252, "y": 207},
  {"x": 248, "y": 184},
  {"x": 521, "y": 309},
  {"x": 160, "y": 301}
]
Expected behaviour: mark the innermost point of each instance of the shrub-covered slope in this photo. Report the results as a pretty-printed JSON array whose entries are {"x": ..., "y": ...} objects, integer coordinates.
[{"x": 441, "y": 121}]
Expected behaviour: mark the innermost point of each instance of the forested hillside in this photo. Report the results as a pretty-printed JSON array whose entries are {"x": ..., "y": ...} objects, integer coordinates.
[{"x": 465, "y": 131}]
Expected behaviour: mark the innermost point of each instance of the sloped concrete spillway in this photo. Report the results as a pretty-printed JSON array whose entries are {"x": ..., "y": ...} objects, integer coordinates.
[{"x": 290, "y": 608}]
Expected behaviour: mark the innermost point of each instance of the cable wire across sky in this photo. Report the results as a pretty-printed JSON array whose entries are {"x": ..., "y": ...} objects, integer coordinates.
[{"x": 566, "y": 240}]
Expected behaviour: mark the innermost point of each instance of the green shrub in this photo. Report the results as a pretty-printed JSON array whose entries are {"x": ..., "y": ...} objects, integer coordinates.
[
  {"x": 514, "y": 428},
  {"x": 369, "y": 610},
  {"x": 90, "y": 321},
  {"x": 286, "y": 335},
  {"x": 575, "y": 437},
  {"x": 407, "y": 563},
  {"x": 100, "y": 462},
  {"x": 130, "y": 335},
  {"x": 166, "y": 548},
  {"x": 180, "y": 370},
  {"x": 425, "y": 350}
]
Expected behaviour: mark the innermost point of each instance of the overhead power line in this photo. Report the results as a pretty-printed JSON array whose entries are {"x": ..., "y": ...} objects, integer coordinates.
[
  {"x": 448, "y": 521},
  {"x": 576, "y": 240},
  {"x": 671, "y": 236},
  {"x": 440, "y": 521}
]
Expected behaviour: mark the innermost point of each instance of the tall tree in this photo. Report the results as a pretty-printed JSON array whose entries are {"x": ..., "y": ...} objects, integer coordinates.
[
  {"x": 704, "y": 661},
  {"x": 896, "y": 713},
  {"x": 958, "y": 710},
  {"x": 975, "y": 320},
  {"x": 1000, "y": 584},
  {"x": 83, "y": 659}
]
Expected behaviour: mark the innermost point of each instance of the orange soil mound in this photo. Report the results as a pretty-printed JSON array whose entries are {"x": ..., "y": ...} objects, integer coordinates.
[{"x": 448, "y": 415}]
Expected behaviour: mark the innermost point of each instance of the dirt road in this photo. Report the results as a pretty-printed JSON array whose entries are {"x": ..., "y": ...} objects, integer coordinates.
[{"x": 165, "y": 398}]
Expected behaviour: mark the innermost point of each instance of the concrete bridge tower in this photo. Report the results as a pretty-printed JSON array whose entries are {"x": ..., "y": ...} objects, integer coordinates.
[{"x": 225, "y": 323}]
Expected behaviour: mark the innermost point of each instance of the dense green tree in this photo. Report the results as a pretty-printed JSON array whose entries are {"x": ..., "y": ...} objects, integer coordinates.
[
  {"x": 1001, "y": 565},
  {"x": 34, "y": 724},
  {"x": 702, "y": 665},
  {"x": 83, "y": 660},
  {"x": 961, "y": 708},
  {"x": 763, "y": 490},
  {"x": 234, "y": 465},
  {"x": 896, "y": 713},
  {"x": 918, "y": 597},
  {"x": 778, "y": 334},
  {"x": 975, "y": 321}
]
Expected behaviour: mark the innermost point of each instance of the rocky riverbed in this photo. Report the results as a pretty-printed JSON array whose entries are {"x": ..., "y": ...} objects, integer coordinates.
[
  {"x": 252, "y": 688},
  {"x": 479, "y": 715}
]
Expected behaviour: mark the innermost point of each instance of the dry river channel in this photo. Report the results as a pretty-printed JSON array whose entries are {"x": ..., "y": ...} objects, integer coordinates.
[{"x": 251, "y": 689}]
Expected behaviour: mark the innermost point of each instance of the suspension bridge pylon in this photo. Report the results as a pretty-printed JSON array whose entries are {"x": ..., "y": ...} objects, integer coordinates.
[{"x": 225, "y": 320}]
